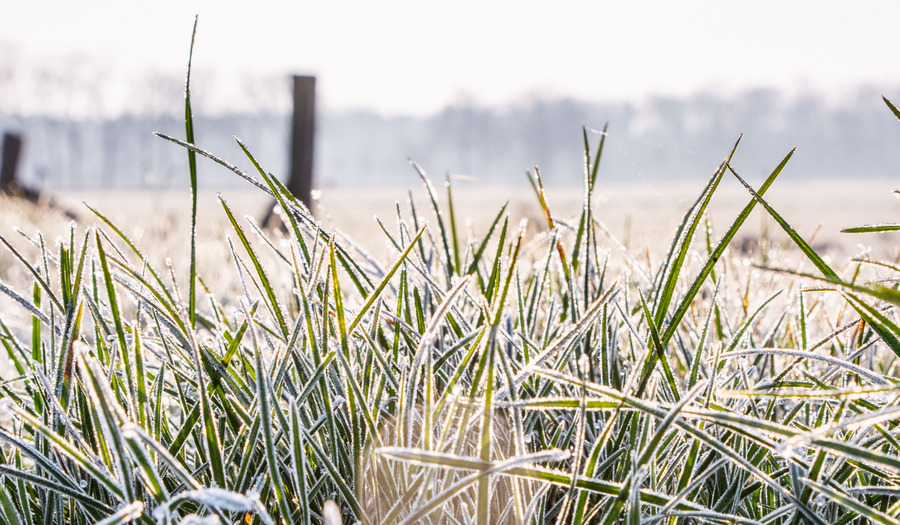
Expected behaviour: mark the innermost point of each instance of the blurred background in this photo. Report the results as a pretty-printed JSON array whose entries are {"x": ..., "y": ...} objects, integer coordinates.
[{"x": 480, "y": 89}]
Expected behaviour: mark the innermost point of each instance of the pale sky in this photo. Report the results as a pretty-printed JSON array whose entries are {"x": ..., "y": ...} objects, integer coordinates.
[{"x": 415, "y": 57}]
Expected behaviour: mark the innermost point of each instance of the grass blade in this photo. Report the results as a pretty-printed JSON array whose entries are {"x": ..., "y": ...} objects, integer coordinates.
[
  {"x": 192, "y": 165},
  {"x": 872, "y": 515}
]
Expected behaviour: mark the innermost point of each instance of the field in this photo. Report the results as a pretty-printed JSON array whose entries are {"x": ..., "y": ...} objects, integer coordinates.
[
  {"x": 651, "y": 353},
  {"x": 642, "y": 215},
  {"x": 639, "y": 217}
]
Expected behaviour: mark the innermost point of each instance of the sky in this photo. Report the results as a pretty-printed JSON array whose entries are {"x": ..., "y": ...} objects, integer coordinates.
[{"x": 405, "y": 57}]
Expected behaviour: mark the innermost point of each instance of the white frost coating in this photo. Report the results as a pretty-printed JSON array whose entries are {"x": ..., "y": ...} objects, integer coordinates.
[
  {"x": 126, "y": 513},
  {"x": 129, "y": 431},
  {"x": 331, "y": 513},
  {"x": 80, "y": 347},
  {"x": 214, "y": 498},
  {"x": 6, "y": 412},
  {"x": 162, "y": 514},
  {"x": 223, "y": 499},
  {"x": 584, "y": 365},
  {"x": 193, "y": 519},
  {"x": 806, "y": 355}
]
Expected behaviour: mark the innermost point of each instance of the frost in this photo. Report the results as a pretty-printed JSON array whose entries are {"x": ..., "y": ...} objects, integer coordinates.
[
  {"x": 6, "y": 411},
  {"x": 214, "y": 498},
  {"x": 331, "y": 514},
  {"x": 193, "y": 519},
  {"x": 129, "y": 431},
  {"x": 584, "y": 365},
  {"x": 126, "y": 513},
  {"x": 223, "y": 499}
]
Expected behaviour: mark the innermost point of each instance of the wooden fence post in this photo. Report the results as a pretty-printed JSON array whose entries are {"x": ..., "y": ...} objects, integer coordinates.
[
  {"x": 10, "y": 185},
  {"x": 303, "y": 130},
  {"x": 12, "y": 146}
]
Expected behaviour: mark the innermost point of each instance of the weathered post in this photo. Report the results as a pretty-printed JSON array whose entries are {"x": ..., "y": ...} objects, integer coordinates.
[
  {"x": 303, "y": 130},
  {"x": 9, "y": 183},
  {"x": 12, "y": 146}
]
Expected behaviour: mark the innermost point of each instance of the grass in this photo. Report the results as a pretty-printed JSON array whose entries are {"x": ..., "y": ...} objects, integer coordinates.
[{"x": 503, "y": 378}]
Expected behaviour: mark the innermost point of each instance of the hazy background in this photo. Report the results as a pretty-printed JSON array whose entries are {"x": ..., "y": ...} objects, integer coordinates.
[{"x": 481, "y": 89}]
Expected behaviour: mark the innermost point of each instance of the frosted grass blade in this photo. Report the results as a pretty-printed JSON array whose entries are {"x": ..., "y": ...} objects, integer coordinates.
[
  {"x": 872, "y": 228},
  {"x": 892, "y": 107},
  {"x": 272, "y": 299},
  {"x": 192, "y": 165},
  {"x": 264, "y": 396},
  {"x": 871, "y": 514}
]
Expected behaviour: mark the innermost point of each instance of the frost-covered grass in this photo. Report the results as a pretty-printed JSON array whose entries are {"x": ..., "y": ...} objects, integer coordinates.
[{"x": 507, "y": 377}]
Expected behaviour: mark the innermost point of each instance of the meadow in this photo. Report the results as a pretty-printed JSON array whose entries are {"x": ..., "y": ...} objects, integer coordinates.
[{"x": 688, "y": 360}]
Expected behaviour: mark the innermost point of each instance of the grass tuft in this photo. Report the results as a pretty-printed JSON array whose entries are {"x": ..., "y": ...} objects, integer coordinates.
[{"x": 541, "y": 375}]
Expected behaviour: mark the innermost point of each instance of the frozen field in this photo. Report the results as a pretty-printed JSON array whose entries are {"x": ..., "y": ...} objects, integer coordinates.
[
  {"x": 637, "y": 215},
  {"x": 642, "y": 218}
]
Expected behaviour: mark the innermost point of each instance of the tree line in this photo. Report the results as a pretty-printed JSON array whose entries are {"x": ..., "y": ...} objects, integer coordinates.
[{"x": 659, "y": 139}]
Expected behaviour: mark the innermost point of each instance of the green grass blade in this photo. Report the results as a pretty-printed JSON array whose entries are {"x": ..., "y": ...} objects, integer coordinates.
[
  {"x": 210, "y": 432},
  {"x": 660, "y": 351},
  {"x": 134, "y": 250},
  {"x": 117, "y": 318},
  {"x": 714, "y": 257},
  {"x": 448, "y": 254},
  {"x": 871, "y": 514},
  {"x": 10, "y": 513},
  {"x": 376, "y": 294},
  {"x": 126, "y": 514},
  {"x": 795, "y": 237},
  {"x": 272, "y": 299},
  {"x": 334, "y": 476},
  {"x": 75, "y": 455},
  {"x": 175, "y": 466},
  {"x": 192, "y": 165},
  {"x": 264, "y": 395},
  {"x": 280, "y": 197},
  {"x": 299, "y": 463},
  {"x": 483, "y": 508},
  {"x": 681, "y": 244},
  {"x": 111, "y": 419},
  {"x": 872, "y": 228},
  {"x": 35, "y": 274},
  {"x": 892, "y": 107},
  {"x": 93, "y": 506},
  {"x": 457, "y": 264},
  {"x": 880, "y": 323},
  {"x": 479, "y": 252}
]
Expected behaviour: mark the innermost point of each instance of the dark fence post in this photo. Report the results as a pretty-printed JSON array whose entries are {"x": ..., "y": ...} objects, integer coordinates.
[
  {"x": 9, "y": 165},
  {"x": 12, "y": 146},
  {"x": 303, "y": 130},
  {"x": 10, "y": 185}
]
